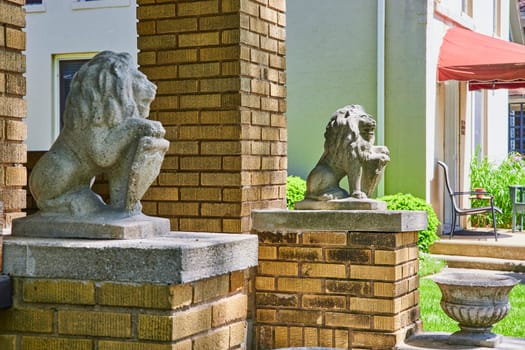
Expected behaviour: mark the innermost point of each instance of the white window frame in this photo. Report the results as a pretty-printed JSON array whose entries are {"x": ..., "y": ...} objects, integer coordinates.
[
  {"x": 57, "y": 58},
  {"x": 94, "y": 4},
  {"x": 36, "y": 7}
]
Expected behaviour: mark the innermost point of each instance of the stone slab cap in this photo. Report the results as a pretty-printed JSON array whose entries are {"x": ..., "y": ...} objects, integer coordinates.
[
  {"x": 341, "y": 204},
  {"x": 283, "y": 220},
  {"x": 177, "y": 258},
  {"x": 104, "y": 226},
  {"x": 436, "y": 340}
]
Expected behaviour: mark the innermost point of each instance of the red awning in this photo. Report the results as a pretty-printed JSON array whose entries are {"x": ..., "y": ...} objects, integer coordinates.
[{"x": 483, "y": 61}]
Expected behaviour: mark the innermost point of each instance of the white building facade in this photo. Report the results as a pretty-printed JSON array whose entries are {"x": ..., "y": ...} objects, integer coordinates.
[{"x": 61, "y": 34}]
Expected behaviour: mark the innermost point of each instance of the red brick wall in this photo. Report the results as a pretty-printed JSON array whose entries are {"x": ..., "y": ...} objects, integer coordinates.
[{"x": 12, "y": 109}]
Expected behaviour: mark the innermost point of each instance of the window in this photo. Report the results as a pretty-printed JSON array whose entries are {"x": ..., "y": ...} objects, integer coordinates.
[
  {"x": 466, "y": 7},
  {"x": 92, "y": 4},
  {"x": 478, "y": 108},
  {"x": 496, "y": 22},
  {"x": 64, "y": 67},
  {"x": 517, "y": 127},
  {"x": 67, "y": 69},
  {"x": 35, "y": 6}
]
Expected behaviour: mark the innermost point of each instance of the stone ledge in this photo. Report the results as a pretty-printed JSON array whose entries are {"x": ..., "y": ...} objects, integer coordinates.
[
  {"x": 102, "y": 226},
  {"x": 177, "y": 258},
  {"x": 282, "y": 220}
]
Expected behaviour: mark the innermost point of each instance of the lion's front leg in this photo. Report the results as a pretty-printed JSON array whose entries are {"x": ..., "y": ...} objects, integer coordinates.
[
  {"x": 373, "y": 169},
  {"x": 107, "y": 145},
  {"x": 134, "y": 147},
  {"x": 129, "y": 180}
]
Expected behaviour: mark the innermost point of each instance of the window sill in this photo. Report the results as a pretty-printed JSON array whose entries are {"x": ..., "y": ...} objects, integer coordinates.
[
  {"x": 35, "y": 8},
  {"x": 86, "y": 5}
]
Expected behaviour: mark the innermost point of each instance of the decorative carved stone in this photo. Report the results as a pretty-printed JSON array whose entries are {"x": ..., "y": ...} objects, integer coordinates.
[
  {"x": 476, "y": 299},
  {"x": 349, "y": 150},
  {"x": 106, "y": 133}
]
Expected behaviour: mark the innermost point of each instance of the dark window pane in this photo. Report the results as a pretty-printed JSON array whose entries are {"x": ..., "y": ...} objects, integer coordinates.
[
  {"x": 33, "y": 2},
  {"x": 67, "y": 69},
  {"x": 517, "y": 127}
]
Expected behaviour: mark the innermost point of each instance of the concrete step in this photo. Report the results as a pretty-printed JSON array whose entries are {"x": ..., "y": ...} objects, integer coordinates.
[
  {"x": 479, "y": 250},
  {"x": 484, "y": 248},
  {"x": 483, "y": 263}
]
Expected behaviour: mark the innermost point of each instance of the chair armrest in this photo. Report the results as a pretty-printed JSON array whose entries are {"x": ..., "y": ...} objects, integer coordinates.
[{"x": 472, "y": 193}]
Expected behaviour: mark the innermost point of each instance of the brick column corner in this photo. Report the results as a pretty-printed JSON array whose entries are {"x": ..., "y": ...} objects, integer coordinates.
[
  {"x": 13, "y": 129},
  {"x": 220, "y": 71}
]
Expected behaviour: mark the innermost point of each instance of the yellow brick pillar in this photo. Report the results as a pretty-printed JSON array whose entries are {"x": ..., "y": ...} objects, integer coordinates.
[
  {"x": 342, "y": 279},
  {"x": 220, "y": 70},
  {"x": 12, "y": 110}
]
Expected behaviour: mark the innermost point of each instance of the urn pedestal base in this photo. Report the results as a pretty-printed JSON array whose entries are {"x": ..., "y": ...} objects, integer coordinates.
[{"x": 466, "y": 337}]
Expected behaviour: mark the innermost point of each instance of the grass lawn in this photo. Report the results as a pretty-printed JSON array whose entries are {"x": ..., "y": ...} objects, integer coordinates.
[{"x": 435, "y": 320}]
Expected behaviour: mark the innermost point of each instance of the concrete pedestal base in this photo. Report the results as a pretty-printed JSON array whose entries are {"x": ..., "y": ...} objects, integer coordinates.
[
  {"x": 488, "y": 340},
  {"x": 104, "y": 226},
  {"x": 179, "y": 257},
  {"x": 341, "y": 204}
]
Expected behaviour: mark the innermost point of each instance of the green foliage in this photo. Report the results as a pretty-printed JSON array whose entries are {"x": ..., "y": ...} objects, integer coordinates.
[
  {"x": 496, "y": 178},
  {"x": 295, "y": 189},
  {"x": 435, "y": 320},
  {"x": 512, "y": 325},
  {"x": 402, "y": 201}
]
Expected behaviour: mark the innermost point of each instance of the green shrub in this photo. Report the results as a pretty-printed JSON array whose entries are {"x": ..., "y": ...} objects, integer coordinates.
[
  {"x": 295, "y": 189},
  {"x": 496, "y": 178},
  {"x": 402, "y": 201}
]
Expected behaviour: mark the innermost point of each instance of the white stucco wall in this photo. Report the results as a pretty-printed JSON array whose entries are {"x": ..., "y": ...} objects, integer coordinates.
[{"x": 68, "y": 27}]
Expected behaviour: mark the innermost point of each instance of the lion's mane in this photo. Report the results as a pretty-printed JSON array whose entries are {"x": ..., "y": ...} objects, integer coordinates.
[
  {"x": 101, "y": 92},
  {"x": 342, "y": 134}
]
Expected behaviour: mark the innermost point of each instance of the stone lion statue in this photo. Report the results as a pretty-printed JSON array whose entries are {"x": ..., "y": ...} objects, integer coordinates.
[
  {"x": 348, "y": 150},
  {"x": 105, "y": 132}
]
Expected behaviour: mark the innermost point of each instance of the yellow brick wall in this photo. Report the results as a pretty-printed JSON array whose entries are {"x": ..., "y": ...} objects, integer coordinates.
[
  {"x": 345, "y": 290},
  {"x": 12, "y": 110},
  {"x": 55, "y": 314},
  {"x": 220, "y": 70}
]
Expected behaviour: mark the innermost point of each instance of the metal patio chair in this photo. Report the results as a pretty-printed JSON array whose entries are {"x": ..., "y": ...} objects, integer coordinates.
[{"x": 457, "y": 211}]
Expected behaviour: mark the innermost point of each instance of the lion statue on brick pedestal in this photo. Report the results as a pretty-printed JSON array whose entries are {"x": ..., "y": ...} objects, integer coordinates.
[
  {"x": 106, "y": 133},
  {"x": 348, "y": 151}
]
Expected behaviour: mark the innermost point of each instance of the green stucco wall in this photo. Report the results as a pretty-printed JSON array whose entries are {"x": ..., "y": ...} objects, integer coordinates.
[
  {"x": 332, "y": 62},
  {"x": 405, "y": 119}
]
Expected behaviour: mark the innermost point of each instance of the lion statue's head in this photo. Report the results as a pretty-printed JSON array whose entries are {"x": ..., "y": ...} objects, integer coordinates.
[
  {"x": 106, "y": 90},
  {"x": 346, "y": 126}
]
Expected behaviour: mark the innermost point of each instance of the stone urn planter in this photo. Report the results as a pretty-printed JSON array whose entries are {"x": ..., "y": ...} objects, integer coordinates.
[{"x": 476, "y": 299}]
